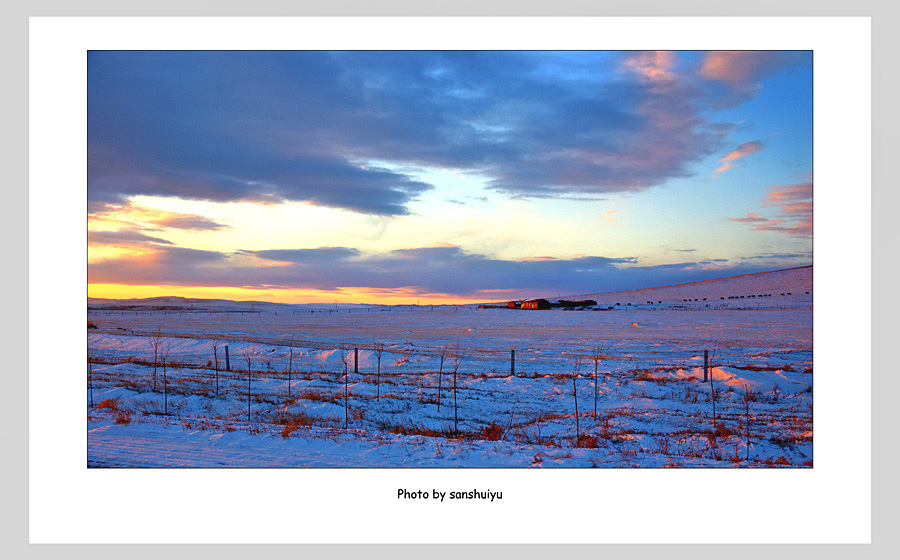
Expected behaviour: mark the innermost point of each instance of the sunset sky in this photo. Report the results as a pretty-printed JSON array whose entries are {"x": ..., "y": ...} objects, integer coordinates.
[{"x": 440, "y": 176}]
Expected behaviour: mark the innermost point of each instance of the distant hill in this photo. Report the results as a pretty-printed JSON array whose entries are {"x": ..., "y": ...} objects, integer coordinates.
[
  {"x": 788, "y": 286},
  {"x": 176, "y": 303}
]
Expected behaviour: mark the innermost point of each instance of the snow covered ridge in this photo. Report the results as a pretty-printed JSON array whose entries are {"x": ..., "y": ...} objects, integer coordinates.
[{"x": 792, "y": 287}]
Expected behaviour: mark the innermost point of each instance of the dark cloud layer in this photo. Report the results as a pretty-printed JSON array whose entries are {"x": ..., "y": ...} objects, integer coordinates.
[
  {"x": 310, "y": 256},
  {"x": 189, "y": 222},
  {"x": 125, "y": 237},
  {"x": 302, "y": 126},
  {"x": 429, "y": 270}
]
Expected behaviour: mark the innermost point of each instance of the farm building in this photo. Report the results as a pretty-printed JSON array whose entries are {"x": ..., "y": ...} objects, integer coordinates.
[
  {"x": 514, "y": 305},
  {"x": 536, "y": 304}
]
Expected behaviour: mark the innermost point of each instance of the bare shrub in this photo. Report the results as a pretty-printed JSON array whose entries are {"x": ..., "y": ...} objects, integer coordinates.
[
  {"x": 776, "y": 392},
  {"x": 605, "y": 426},
  {"x": 723, "y": 431},
  {"x": 111, "y": 404},
  {"x": 662, "y": 443},
  {"x": 494, "y": 432}
]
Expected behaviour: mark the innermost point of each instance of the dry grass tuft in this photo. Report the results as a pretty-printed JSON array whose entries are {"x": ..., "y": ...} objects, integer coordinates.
[
  {"x": 111, "y": 404},
  {"x": 722, "y": 432},
  {"x": 293, "y": 421},
  {"x": 494, "y": 432}
]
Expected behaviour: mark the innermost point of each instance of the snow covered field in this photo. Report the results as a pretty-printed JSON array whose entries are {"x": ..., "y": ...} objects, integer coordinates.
[{"x": 638, "y": 376}]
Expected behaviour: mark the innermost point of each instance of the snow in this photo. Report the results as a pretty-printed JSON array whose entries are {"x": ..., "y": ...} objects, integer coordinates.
[{"x": 653, "y": 408}]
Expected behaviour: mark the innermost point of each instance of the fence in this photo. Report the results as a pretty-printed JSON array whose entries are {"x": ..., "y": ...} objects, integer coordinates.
[{"x": 403, "y": 391}]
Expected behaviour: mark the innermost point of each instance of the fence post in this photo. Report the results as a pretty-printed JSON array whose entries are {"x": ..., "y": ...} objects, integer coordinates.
[
  {"x": 575, "y": 394},
  {"x": 346, "y": 396},
  {"x": 705, "y": 365},
  {"x": 165, "y": 389},
  {"x": 227, "y": 360},
  {"x": 356, "y": 360},
  {"x": 512, "y": 362}
]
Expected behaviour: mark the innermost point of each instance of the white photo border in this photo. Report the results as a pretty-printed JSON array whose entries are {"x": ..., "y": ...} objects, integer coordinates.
[{"x": 830, "y": 503}]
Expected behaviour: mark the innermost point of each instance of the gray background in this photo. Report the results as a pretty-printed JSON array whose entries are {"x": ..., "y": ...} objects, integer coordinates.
[{"x": 14, "y": 442}]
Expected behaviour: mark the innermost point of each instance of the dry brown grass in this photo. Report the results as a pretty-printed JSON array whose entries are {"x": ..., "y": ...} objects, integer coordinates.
[
  {"x": 294, "y": 421},
  {"x": 494, "y": 432},
  {"x": 319, "y": 396},
  {"x": 111, "y": 404}
]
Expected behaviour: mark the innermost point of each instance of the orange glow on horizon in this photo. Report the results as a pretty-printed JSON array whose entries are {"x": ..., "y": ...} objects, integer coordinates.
[
  {"x": 98, "y": 252},
  {"x": 372, "y": 296}
]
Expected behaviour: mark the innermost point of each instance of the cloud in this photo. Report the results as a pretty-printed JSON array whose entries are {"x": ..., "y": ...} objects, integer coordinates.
[
  {"x": 761, "y": 223},
  {"x": 795, "y": 205},
  {"x": 742, "y": 150},
  {"x": 176, "y": 266},
  {"x": 540, "y": 258},
  {"x": 322, "y": 181},
  {"x": 130, "y": 215},
  {"x": 751, "y": 218},
  {"x": 318, "y": 255},
  {"x": 738, "y": 75},
  {"x": 794, "y": 210},
  {"x": 789, "y": 196},
  {"x": 308, "y": 126},
  {"x": 128, "y": 237},
  {"x": 226, "y": 126},
  {"x": 653, "y": 65},
  {"x": 189, "y": 222},
  {"x": 780, "y": 256},
  {"x": 446, "y": 270}
]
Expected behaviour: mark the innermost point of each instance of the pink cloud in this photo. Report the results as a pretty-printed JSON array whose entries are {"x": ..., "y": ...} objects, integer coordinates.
[
  {"x": 742, "y": 150},
  {"x": 654, "y": 65},
  {"x": 740, "y": 73},
  {"x": 794, "y": 210},
  {"x": 541, "y": 258},
  {"x": 804, "y": 207},
  {"x": 751, "y": 218},
  {"x": 738, "y": 67},
  {"x": 780, "y": 195}
]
